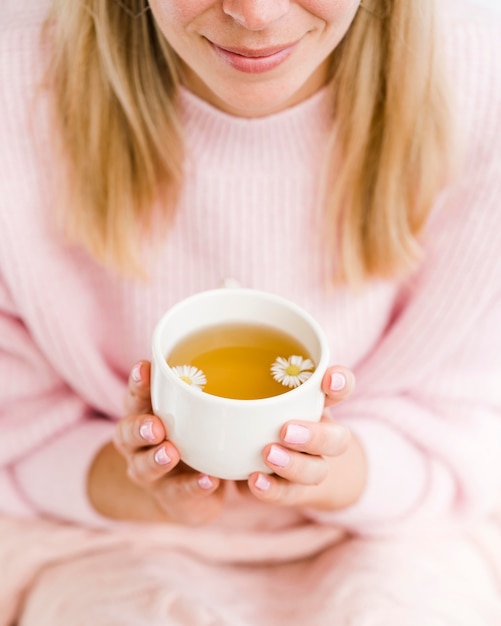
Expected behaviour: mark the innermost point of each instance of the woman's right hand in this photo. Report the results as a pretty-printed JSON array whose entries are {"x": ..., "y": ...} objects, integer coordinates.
[{"x": 140, "y": 476}]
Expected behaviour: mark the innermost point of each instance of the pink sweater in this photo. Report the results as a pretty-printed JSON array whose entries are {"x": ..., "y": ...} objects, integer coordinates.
[{"x": 426, "y": 353}]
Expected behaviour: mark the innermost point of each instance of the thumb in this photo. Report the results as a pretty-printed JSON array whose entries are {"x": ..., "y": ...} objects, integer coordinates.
[{"x": 338, "y": 384}]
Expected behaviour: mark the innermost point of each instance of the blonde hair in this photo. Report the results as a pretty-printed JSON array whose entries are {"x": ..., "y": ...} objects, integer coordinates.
[
  {"x": 114, "y": 80},
  {"x": 395, "y": 137}
]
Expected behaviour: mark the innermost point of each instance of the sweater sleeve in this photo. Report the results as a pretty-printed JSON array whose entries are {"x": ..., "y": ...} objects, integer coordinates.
[
  {"x": 50, "y": 431},
  {"x": 428, "y": 404},
  {"x": 433, "y": 453},
  {"x": 49, "y": 434},
  {"x": 433, "y": 449}
]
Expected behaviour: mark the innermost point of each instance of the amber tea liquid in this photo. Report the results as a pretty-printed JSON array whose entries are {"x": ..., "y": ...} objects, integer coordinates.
[{"x": 236, "y": 359}]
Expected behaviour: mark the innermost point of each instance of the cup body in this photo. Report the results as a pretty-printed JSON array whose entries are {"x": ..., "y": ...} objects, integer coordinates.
[{"x": 225, "y": 437}]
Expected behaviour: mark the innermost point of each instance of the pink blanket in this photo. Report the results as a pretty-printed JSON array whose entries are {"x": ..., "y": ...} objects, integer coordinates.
[{"x": 55, "y": 575}]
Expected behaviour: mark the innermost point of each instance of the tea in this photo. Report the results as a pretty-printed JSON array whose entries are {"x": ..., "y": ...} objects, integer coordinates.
[{"x": 242, "y": 361}]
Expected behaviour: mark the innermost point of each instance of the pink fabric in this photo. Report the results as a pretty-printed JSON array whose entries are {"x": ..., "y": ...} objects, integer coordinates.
[
  {"x": 79, "y": 577},
  {"x": 426, "y": 353}
]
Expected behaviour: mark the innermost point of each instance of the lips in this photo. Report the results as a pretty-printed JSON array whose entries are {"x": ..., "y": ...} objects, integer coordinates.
[
  {"x": 254, "y": 60},
  {"x": 256, "y": 54}
]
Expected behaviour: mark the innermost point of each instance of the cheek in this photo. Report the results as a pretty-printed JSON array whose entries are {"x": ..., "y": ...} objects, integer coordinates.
[
  {"x": 337, "y": 15},
  {"x": 332, "y": 11},
  {"x": 178, "y": 13}
]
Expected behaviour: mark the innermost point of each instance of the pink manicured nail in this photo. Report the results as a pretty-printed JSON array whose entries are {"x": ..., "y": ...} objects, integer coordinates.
[
  {"x": 146, "y": 431},
  {"x": 338, "y": 382},
  {"x": 205, "y": 482},
  {"x": 278, "y": 457},
  {"x": 161, "y": 457},
  {"x": 296, "y": 434},
  {"x": 136, "y": 373},
  {"x": 262, "y": 483}
]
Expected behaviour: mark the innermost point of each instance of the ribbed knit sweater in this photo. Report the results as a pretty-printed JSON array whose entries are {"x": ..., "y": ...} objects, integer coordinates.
[{"x": 426, "y": 351}]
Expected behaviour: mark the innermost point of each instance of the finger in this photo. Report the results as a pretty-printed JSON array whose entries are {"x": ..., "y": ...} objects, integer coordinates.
[
  {"x": 136, "y": 432},
  {"x": 296, "y": 467},
  {"x": 148, "y": 466},
  {"x": 189, "y": 485},
  {"x": 338, "y": 384},
  {"x": 137, "y": 397},
  {"x": 276, "y": 490},
  {"x": 190, "y": 498},
  {"x": 324, "y": 438}
]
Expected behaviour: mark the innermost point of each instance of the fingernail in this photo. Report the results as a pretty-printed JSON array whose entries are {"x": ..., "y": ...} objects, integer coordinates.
[
  {"x": 338, "y": 382},
  {"x": 136, "y": 373},
  {"x": 161, "y": 457},
  {"x": 262, "y": 483},
  {"x": 278, "y": 456},
  {"x": 146, "y": 431},
  {"x": 205, "y": 482},
  {"x": 296, "y": 434}
]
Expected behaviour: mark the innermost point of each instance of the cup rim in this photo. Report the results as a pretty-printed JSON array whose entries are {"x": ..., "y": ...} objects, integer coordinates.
[{"x": 316, "y": 377}]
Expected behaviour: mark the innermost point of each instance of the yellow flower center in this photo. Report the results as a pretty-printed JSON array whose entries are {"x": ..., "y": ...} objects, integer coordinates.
[
  {"x": 292, "y": 370},
  {"x": 186, "y": 379}
]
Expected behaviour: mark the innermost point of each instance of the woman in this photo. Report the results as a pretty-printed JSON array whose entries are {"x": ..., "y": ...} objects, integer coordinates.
[{"x": 151, "y": 151}]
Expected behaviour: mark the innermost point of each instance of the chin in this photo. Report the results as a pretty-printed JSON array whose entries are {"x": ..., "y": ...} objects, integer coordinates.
[{"x": 256, "y": 102}]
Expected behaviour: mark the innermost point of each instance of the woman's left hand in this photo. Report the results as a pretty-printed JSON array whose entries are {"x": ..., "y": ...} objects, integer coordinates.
[{"x": 315, "y": 465}]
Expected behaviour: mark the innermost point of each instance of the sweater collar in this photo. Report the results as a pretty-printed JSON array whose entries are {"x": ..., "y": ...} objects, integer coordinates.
[{"x": 314, "y": 113}]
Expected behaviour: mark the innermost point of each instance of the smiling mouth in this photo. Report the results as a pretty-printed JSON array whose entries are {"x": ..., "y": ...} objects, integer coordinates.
[
  {"x": 257, "y": 54},
  {"x": 254, "y": 61}
]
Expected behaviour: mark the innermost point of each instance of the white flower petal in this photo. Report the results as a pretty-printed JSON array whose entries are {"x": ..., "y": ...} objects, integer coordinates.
[
  {"x": 307, "y": 365},
  {"x": 303, "y": 376},
  {"x": 279, "y": 375},
  {"x": 281, "y": 362},
  {"x": 191, "y": 375},
  {"x": 281, "y": 370}
]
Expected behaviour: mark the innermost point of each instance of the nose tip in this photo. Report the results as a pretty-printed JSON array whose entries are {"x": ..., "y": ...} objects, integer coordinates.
[{"x": 255, "y": 14}]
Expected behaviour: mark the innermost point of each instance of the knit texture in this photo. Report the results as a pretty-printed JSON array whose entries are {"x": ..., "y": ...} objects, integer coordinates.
[{"x": 426, "y": 352}]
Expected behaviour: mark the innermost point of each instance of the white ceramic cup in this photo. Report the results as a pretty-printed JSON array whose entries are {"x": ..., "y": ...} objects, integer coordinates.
[{"x": 225, "y": 437}]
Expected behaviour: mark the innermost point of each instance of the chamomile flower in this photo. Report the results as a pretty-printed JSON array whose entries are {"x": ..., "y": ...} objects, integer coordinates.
[
  {"x": 293, "y": 371},
  {"x": 191, "y": 375}
]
